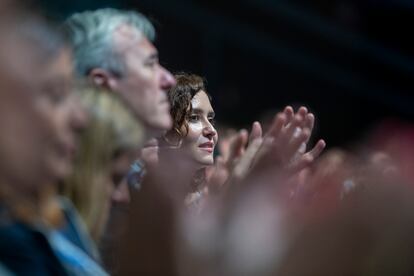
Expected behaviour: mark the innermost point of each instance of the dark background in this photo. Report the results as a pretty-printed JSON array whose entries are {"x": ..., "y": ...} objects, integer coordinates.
[{"x": 351, "y": 62}]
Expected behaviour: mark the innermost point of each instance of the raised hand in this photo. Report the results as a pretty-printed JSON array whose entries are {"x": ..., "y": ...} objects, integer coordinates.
[
  {"x": 284, "y": 145},
  {"x": 281, "y": 149}
]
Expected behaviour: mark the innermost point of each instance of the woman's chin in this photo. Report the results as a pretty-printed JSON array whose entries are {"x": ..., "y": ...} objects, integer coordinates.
[{"x": 205, "y": 161}]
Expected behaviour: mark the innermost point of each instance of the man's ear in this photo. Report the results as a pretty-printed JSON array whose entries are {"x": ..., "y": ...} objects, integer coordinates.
[{"x": 102, "y": 78}]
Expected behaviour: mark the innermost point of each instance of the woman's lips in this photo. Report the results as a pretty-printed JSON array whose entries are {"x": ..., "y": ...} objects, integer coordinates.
[{"x": 208, "y": 146}]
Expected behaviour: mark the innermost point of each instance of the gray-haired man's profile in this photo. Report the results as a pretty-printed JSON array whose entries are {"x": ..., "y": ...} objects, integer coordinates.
[{"x": 114, "y": 50}]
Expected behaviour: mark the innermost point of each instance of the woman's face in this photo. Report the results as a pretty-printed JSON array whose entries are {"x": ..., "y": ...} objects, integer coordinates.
[{"x": 202, "y": 136}]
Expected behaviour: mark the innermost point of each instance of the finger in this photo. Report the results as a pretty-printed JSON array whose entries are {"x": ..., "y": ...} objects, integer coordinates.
[
  {"x": 317, "y": 150},
  {"x": 303, "y": 162},
  {"x": 256, "y": 132},
  {"x": 289, "y": 113},
  {"x": 151, "y": 143},
  {"x": 233, "y": 142},
  {"x": 302, "y": 148},
  {"x": 247, "y": 160},
  {"x": 237, "y": 145},
  {"x": 303, "y": 111},
  {"x": 218, "y": 176},
  {"x": 277, "y": 125},
  {"x": 292, "y": 129},
  {"x": 150, "y": 155},
  {"x": 308, "y": 158},
  {"x": 309, "y": 123},
  {"x": 297, "y": 142},
  {"x": 267, "y": 144}
]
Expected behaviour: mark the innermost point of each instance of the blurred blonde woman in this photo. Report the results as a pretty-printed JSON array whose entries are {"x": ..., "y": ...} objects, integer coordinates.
[{"x": 107, "y": 148}]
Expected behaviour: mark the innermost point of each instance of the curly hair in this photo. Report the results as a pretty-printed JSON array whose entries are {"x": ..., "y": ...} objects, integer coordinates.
[{"x": 180, "y": 96}]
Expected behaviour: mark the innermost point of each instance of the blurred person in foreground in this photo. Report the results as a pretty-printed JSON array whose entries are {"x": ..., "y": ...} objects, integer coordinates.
[
  {"x": 4, "y": 9},
  {"x": 40, "y": 119},
  {"x": 106, "y": 149},
  {"x": 352, "y": 215},
  {"x": 365, "y": 230}
]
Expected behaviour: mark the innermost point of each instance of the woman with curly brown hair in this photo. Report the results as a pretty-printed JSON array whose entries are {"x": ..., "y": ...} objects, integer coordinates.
[{"x": 193, "y": 131}]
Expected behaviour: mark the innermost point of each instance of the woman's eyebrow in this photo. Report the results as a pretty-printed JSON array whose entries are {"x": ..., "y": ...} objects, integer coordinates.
[
  {"x": 201, "y": 111},
  {"x": 197, "y": 110}
]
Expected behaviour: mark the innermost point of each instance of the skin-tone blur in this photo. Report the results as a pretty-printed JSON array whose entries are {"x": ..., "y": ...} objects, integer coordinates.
[
  {"x": 63, "y": 112},
  {"x": 145, "y": 82},
  {"x": 41, "y": 116},
  {"x": 116, "y": 187},
  {"x": 201, "y": 137},
  {"x": 120, "y": 167}
]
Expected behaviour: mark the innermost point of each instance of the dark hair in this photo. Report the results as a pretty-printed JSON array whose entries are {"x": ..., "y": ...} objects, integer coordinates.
[
  {"x": 188, "y": 85},
  {"x": 45, "y": 37}
]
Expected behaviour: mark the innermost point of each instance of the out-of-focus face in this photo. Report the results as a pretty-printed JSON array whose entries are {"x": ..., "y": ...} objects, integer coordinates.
[
  {"x": 118, "y": 195},
  {"x": 202, "y": 136},
  {"x": 145, "y": 82},
  {"x": 120, "y": 167},
  {"x": 39, "y": 119},
  {"x": 19, "y": 142},
  {"x": 60, "y": 107}
]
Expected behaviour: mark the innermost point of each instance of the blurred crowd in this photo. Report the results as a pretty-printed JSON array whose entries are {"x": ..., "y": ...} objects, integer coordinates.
[{"x": 112, "y": 165}]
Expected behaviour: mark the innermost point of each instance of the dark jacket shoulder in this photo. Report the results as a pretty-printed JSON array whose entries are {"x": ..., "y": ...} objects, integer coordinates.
[{"x": 26, "y": 251}]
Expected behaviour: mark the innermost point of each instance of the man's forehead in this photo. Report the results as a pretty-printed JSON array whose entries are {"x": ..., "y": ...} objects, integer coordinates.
[{"x": 126, "y": 37}]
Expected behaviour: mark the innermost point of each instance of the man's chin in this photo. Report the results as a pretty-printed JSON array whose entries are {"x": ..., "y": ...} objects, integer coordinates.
[
  {"x": 158, "y": 128},
  {"x": 60, "y": 169}
]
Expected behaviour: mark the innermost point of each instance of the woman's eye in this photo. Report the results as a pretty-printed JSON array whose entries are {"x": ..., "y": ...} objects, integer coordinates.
[
  {"x": 212, "y": 120},
  {"x": 194, "y": 118}
]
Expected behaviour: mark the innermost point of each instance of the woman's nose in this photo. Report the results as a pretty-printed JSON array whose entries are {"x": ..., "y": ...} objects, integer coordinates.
[{"x": 209, "y": 131}]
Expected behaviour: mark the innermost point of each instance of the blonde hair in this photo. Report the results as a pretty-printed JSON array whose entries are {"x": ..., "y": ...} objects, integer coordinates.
[{"x": 112, "y": 128}]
